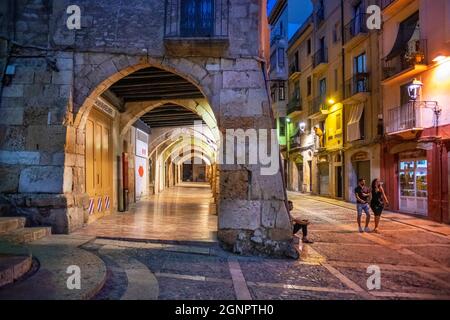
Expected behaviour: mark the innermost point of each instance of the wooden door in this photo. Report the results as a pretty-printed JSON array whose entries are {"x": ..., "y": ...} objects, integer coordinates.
[{"x": 98, "y": 163}]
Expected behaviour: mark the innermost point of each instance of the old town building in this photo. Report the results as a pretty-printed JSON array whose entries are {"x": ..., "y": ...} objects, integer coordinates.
[
  {"x": 352, "y": 112},
  {"x": 71, "y": 98},
  {"x": 361, "y": 97},
  {"x": 415, "y": 79}
]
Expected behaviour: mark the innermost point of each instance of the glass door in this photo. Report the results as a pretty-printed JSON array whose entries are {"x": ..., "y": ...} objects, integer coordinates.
[{"x": 413, "y": 186}]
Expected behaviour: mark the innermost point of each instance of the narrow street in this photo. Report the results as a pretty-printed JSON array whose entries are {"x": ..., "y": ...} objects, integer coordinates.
[{"x": 414, "y": 262}]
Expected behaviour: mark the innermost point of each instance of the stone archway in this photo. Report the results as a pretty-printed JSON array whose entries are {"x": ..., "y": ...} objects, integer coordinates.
[{"x": 253, "y": 217}]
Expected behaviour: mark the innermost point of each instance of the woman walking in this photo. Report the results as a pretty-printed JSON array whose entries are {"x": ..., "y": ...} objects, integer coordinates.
[{"x": 378, "y": 202}]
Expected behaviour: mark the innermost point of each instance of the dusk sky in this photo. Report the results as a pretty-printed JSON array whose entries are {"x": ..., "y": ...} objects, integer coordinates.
[{"x": 301, "y": 8}]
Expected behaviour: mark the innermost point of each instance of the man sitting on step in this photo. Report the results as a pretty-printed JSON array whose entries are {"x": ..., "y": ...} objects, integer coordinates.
[{"x": 299, "y": 224}]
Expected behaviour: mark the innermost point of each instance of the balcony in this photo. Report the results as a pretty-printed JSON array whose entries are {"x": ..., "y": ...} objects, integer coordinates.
[
  {"x": 295, "y": 142},
  {"x": 355, "y": 30},
  {"x": 357, "y": 88},
  {"x": 316, "y": 107},
  {"x": 406, "y": 121},
  {"x": 294, "y": 71},
  {"x": 294, "y": 106},
  {"x": 320, "y": 60},
  {"x": 196, "y": 27},
  {"x": 407, "y": 64}
]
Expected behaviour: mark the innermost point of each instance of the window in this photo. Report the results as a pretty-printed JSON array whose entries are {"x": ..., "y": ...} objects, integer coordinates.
[
  {"x": 282, "y": 126},
  {"x": 297, "y": 90},
  {"x": 338, "y": 123},
  {"x": 336, "y": 80},
  {"x": 273, "y": 94},
  {"x": 273, "y": 61},
  {"x": 281, "y": 92},
  {"x": 308, "y": 43},
  {"x": 360, "y": 64},
  {"x": 197, "y": 18},
  {"x": 323, "y": 88},
  {"x": 280, "y": 57},
  {"x": 309, "y": 86},
  {"x": 336, "y": 33}
]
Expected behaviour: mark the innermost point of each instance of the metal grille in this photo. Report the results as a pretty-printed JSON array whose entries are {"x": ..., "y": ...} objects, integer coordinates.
[
  {"x": 403, "y": 118},
  {"x": 357, "y": 26},
  {"x": 414, "y": 53},
  {"x": 196, "y": 18}
]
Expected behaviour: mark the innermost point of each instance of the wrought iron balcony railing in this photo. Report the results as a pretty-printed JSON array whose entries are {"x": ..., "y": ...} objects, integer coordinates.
[
  {"x": 359, "y": 83},
  {"x": 293, "y": 68},
  {"x": 357, "y": 26},
  {"x": 196, "y": 19},
  {"x": 415, "y": 53},
  {"x": 294, "y": 105},
  {"x": 317, "y": 104},
  {"x": 321, "y": 56},
  {"x": 405, "y": 117}
]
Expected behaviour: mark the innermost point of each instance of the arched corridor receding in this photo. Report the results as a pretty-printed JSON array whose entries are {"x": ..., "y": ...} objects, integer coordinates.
[{"x": 167, "y": 149}]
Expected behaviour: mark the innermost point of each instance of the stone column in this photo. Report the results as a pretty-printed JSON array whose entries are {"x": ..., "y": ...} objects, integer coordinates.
[{"x": 253, "y": 217}]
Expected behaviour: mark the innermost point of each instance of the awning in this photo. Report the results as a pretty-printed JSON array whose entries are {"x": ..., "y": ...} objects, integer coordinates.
[
  {"x": 405, "y": 33},
  {"x": 353, "y": 126}
]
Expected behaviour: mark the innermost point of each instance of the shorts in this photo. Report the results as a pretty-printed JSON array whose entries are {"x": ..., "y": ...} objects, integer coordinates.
[{"x": 362, "y": 207}]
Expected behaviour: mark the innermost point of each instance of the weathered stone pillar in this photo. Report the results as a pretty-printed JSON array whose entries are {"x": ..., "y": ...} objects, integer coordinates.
[{"x": 253, "y": 217}]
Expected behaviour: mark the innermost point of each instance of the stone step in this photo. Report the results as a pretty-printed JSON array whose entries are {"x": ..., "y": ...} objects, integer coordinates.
[
  {"x": 12, "y": 267},
  {"x": 26, "y": 235},
  {"x": 11, "y": 224},
  {"x": 57, "y": 256}
]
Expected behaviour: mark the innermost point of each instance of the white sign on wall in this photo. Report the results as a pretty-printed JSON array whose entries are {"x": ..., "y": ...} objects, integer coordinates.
[
  {"x": 141, "y": 143},
  {"x": 141, "y": 166},
  {"x": 141, "y": 177}
]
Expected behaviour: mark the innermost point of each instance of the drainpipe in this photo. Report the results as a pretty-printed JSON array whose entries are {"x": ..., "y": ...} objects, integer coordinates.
[{"x": 344, "y": 127}]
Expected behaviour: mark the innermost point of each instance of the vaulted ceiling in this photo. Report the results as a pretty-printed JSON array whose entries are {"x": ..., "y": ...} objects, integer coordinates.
[
  {"x": 152, "y": 84},
  {"x": 170, "y": 115}
]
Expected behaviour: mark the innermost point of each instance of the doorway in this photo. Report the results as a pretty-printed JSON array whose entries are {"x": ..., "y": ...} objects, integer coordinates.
[
  {"x": 339, "y": 182},
  {"x": 98, "y": 163},
  {"x": 310, "y": 176},
  {"x": 363, "y": 171},
  {"x": 324, "y": 179},
  {"x": 413, "y": 186}
]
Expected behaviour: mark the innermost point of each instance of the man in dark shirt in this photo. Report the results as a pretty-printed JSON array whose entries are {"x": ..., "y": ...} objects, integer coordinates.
[{"x": 362, "y": 194}]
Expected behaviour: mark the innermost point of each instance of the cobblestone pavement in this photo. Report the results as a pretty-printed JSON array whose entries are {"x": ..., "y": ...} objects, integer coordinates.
[{"x": 414, "y": 263}]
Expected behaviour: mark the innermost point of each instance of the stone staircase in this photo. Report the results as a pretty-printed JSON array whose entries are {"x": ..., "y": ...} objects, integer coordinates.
[{"x": 15, "y": 259}]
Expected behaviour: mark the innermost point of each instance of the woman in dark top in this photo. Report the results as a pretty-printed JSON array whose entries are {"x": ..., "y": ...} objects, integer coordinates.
[{"x": 379, "y": 200}]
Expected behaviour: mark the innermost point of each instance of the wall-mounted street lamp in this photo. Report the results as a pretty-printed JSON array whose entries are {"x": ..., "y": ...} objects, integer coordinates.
[
  {"x": 302, "y": 126},
  {"x": 414, "y": 89}
]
